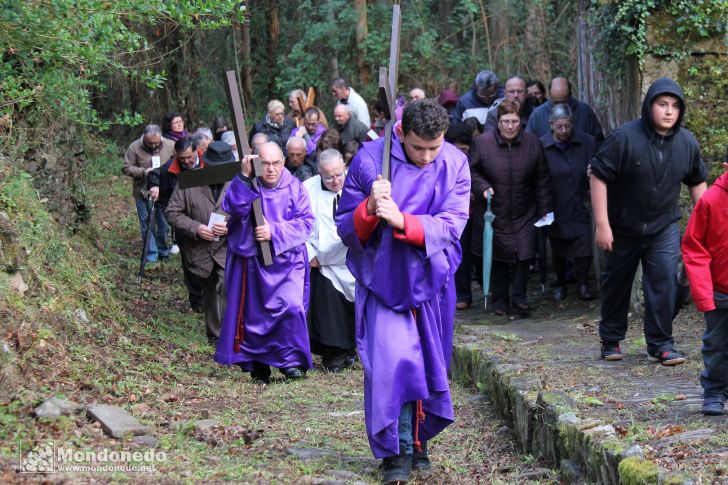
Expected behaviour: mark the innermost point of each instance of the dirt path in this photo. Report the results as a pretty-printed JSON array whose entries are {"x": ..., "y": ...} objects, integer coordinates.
[{"x": 153, "y": 360}]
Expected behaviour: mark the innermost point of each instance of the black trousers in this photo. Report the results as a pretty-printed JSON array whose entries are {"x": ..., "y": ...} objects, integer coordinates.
[
  {"x": 330, "y": 321},
  {"x": 659, "y": 256},
  {"x": 508, "y": 283},
  {"x": 193, "y": 283}
]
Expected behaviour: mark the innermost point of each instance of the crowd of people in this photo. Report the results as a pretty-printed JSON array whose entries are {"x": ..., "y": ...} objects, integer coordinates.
[{"x": 375, "y": 267}]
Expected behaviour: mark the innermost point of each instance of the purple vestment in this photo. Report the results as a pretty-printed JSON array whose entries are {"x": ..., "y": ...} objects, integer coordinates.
[
  {"x": 276, "y": 296},
  {"x": 406, "y": 358},
  {"x": 312, "y": 140}
]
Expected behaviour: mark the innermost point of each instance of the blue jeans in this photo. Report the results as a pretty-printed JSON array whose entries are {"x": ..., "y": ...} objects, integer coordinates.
[
  {"x": 714, "y": 378},
  {"x": 405, "y": 428},
  {"x": 157, "y": 244},
  {"x": 659, "y": 255}
]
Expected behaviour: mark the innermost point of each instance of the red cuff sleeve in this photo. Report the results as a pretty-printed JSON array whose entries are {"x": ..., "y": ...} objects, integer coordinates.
[
  {"x": 364, "y": 224},
  {"x": 413, "y": 232}
]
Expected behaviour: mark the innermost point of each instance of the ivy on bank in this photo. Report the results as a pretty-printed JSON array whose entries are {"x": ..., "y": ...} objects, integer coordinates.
[{"x": 622, "y": 27}]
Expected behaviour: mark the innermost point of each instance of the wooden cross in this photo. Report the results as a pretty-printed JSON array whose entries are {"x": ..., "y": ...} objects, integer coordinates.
[
  {"x": 225, "y": 172},
  {"x": 388, "y": 88},
  {"x": 310, "y": 102},
  {"x": 241, "y": 139}
]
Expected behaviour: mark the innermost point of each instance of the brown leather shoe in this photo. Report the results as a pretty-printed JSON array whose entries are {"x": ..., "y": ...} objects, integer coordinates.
[{"x": 462, "y": 305}]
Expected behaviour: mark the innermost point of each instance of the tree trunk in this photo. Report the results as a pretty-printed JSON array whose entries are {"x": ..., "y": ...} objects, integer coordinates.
[
  {"x": 361, "y": 35},
  {"x": 334, "y": 62},
  {"x": 500, "y": 30},
  {"x": 274, "y": 30},
  {"x": 539, "y": 66},
  {"x": 484, "y": 14}
]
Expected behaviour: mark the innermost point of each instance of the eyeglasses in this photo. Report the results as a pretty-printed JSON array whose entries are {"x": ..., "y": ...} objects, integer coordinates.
[
  {"x": 328, "y": 180},
  {"x": 509, "y": 122},
  {"x": 275, "y": 165}
]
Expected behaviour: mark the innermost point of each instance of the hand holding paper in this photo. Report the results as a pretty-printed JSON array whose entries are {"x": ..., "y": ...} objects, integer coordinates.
[
  {"x": 546, "y": 220},
  {"x": 215, "y": 219}
]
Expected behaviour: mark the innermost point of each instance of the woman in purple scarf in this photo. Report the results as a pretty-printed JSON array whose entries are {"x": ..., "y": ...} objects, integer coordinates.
[{"x": 173, "y": 126}]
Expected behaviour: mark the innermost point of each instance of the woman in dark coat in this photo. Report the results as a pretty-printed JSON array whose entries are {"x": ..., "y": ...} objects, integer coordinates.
[
  {"x": 568, "y": 153},
  {"x": 510, "y": 164}
]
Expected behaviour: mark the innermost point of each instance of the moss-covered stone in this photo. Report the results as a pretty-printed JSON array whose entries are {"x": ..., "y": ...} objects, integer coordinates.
[
  {"x": 634, "y": 471},
  {"x": 676, "y": 478}
]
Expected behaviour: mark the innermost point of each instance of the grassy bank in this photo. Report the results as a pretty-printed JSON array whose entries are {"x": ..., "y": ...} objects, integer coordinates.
[{"x": 86, "y": 331}]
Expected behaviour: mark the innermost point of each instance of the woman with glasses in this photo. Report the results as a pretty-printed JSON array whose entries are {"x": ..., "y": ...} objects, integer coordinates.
[
  {"x": 173, "y": 127},
  {"x": 509, "y": 165}
]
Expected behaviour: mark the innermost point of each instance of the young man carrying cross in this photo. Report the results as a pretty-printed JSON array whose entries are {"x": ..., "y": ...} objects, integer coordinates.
[{"x": 404, "y": 248}]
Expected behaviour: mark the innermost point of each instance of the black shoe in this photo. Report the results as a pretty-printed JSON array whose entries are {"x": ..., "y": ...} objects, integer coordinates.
[
  {"x": 334, "y": 369},
  {"x": 420, "y": 460},
  {"x": 713, "y": 407},
  {"x": 584, "y": 293},
  {"x": 397, "y": 469},
  {"x": 668, "y": 357},
  {"x": 293, "y": 373},
  {"x": 522, "y": 308},
  {"x": 611, "y": 350},
  {"x": 500, "y": 311},
  {"x": 350, "y": 360},
  {"x": 261, "y": 373},
  {"x": 560, "y": 293}
]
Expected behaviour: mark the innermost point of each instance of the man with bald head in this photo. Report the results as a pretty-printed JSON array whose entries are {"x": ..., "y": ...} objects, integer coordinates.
[
  {"x": 417, "y": 93},
  {"x": 265, "y": 319},
  {"x": 298, "y": 162},
  {"x": 350, "y": 128},
  {"x": 257, "y": 141},
  {"x": 515, "y": 90},
  {"x": 584, "y": 118}
]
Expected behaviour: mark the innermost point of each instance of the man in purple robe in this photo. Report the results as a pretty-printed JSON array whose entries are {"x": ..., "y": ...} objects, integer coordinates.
[
  {"x": 404, "y": 248},
  {"x": 265, "y": 318},
  {"x": 311, "y": 130}
]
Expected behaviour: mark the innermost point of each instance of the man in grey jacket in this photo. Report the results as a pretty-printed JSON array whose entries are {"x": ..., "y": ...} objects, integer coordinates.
[{"x": 204, "y": 243}]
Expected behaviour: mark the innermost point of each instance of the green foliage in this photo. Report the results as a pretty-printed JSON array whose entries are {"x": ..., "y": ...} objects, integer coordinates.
[
  {"x": 439, "y": 48},
  {"x": 55, "y": 50},
  {"x": 705, "y": 83}
]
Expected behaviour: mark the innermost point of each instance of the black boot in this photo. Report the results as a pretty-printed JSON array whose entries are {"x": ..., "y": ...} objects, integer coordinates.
[
  {"x": 261, "y": 373},
  {"x": 292, "y": 373},
  {"x": 397, "y": 469},
  {"x": 582, "y": 270},
  {"x": 420, "y": 460},
  {"x": 584, "y": 293}
]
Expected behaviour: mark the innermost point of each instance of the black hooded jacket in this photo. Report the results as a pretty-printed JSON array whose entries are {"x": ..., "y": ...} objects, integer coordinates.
[{"x": 643, "y": 170}]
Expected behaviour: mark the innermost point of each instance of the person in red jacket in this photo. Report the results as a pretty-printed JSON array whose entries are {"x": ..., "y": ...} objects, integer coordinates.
[{"x": 705, "y": 254}]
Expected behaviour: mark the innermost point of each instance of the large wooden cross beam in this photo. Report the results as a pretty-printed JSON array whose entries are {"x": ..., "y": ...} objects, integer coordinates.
[
  {"x": 225, "y": 172},
  {"x": 388, "y": 88},
  {"x": 241, "y": 139}
]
